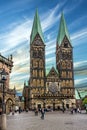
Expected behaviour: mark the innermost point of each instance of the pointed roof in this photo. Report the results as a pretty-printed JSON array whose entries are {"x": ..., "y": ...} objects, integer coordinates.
[
  {"x": 24, "y": 83},
  {"x": 52, "y": 72},
  {"x": 63, "y": 30},
  {"x": 36, "y": 29}
]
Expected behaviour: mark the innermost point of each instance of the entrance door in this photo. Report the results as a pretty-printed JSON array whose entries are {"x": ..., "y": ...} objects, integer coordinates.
[
  {"x": 39, "y": 106},
  {"x": 67, "y": 106}
]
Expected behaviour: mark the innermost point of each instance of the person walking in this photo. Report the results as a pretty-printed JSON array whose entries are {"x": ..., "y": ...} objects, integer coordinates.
[
  {"x": 36, "y": 112},
  {"x": 86, "y": 110},
  {"x": 0, "y": 111},
  {"x": 79, "y": 110},
  {"x": 42, "y": 113},
  {"x": 71, "y": 110}
]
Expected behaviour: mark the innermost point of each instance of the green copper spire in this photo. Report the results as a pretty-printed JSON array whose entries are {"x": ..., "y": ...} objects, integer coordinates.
[
  {"x": 63, "y": 30},
  {"x": 36, "y": 28}
]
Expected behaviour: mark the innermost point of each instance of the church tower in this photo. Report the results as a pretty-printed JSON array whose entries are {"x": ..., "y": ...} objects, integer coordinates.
[
  {"x": 64, "y": 59},
  {"x": 57, "y": 88},
  {"x": 37, "y": 60}
]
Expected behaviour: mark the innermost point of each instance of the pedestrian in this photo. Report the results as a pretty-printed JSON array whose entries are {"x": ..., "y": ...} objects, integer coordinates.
[
  {"x": 79, "y": 110},
  {"x": 19, "y": 109},
  {"x": 42, "y": 113},
  {"x": 0, "y": 111},
  {"x": 75, "y": 109},
  {"x": 86, "y": 110},
  {"x": 63, "y": 109},
  {"x": 13, "y": 112},
  {"x": 36, "y": 112},
  {"x": 72, "y": 110}
]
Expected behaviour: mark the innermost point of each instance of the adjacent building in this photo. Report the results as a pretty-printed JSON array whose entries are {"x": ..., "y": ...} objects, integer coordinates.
[
  {"x": 55, "y": 89},
  {"x": 9, "y": 94}
]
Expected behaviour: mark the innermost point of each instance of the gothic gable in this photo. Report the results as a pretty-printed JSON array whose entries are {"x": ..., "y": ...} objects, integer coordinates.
[
  {"x": 66, "y": 43},
  {"x": 52, "y": 73},
  {"x": 37, "y": 41}
]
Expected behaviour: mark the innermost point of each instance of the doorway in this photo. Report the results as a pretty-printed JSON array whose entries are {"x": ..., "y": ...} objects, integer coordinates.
[
  {"x": 39, "y": 106},
  {"x": 67, "y": 106}
]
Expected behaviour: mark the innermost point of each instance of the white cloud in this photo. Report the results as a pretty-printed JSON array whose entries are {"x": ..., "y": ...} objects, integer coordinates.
[
  {"x": 79, "y": 81},
  {"x": 48, "y": 20},
  {"x": 18, "y": 35},
  {"x": 50, "y": 59},
  {"x": 80, "y": 63},
  {"x": 73, "y": 4},
  {"x": 79, "y": 34}
]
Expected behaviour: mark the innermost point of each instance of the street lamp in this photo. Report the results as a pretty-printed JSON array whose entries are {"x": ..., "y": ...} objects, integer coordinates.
[{"x": 3, "y": 78}]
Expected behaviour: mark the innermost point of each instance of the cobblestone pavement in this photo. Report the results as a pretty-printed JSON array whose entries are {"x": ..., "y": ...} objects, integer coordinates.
[{"x": 52, "y": 121}]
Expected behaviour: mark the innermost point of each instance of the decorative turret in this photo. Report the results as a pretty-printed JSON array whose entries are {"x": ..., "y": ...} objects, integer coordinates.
[
  {"x": 24, "y": 83},
  {"x": 63, "y": 30},
  {"x": 36, "y": 29}
]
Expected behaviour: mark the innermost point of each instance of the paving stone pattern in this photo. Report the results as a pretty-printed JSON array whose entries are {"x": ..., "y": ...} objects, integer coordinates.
[{"x": 52, "y": 121}]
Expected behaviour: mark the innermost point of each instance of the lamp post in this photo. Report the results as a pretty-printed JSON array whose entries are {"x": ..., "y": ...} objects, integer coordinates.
[{"x": 3, "y": 76}]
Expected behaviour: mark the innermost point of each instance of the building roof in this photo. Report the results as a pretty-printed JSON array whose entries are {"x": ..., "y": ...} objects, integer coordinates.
[
  {"x": 63, "y": 30},
  {"x": 7, "y": 61},
  {"x": 36, "y": 29}
]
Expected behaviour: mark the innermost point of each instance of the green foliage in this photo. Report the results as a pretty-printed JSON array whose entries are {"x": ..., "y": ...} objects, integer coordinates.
[{"x": 84, "y": 101}]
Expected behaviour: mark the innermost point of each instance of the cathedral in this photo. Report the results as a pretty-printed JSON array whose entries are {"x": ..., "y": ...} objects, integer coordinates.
[{"x": 55, "y": 89}]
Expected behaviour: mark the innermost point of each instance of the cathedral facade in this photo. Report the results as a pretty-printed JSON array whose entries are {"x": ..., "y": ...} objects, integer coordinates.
[{"x": 55, "y": 89}]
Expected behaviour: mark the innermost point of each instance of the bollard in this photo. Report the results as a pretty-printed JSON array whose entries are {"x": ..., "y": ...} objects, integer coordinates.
[{"x": 3, "y": 122}]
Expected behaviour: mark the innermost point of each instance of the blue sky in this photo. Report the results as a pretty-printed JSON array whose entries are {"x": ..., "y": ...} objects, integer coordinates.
[{"x": 16, "y": 19}]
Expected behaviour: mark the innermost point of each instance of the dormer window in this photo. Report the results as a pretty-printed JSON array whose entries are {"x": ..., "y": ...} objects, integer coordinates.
[{"x": 65, "y": 45}]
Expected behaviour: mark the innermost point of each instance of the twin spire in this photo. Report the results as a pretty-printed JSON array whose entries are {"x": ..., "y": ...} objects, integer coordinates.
[
  {"x": 36, "y": 29},
  {"x": 63, "y": 30}
]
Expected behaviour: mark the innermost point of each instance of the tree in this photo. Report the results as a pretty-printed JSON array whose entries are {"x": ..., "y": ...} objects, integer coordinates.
[{"x": 84, "y": 101}]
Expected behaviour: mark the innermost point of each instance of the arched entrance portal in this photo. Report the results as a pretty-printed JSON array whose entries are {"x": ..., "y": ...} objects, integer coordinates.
[{"x": 9, "y": 105}]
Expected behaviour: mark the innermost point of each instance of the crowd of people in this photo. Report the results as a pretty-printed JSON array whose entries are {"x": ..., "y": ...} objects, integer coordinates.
[
  {"x": 42, "y": 111},
  {"x": 76, "y": 110}
]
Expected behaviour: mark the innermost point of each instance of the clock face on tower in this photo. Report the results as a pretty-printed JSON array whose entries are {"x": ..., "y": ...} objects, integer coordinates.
[{"x": 53, "y": 88}]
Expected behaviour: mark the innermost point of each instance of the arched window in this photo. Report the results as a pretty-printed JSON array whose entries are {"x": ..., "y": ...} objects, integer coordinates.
[
  {"x": 64, "y": 83},
  {"x": 69, "y": 65},
  {"x": 67, "y": 83},
  {"x": 42, "y": 73},
  {"x": 39, "y": 73},
  {"x": 65, "y": 44},
  {"x": 38, "y": 83},
  {"x": 71, "y": 84},
  {"x": 34, "y": 83},
  {"x": 64, "y": 65},
  {"x": 42, "y": 83},
  {"x": 40, "y": 64}
]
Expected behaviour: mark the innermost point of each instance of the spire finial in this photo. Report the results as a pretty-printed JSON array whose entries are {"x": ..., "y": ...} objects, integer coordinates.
[
  {"x": 63, "y": 30},
  {"x": 36, "y": 29},
  {"x": 24, "y": 83}
]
